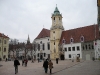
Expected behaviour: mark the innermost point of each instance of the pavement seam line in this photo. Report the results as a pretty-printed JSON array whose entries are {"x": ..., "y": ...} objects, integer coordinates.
[{"x": 67, "y": 67}]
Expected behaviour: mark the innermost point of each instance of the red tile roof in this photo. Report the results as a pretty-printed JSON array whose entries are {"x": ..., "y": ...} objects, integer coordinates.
[
  {"x": 4, "y": 36},
  {"x": 44, "y": 33},
  {"x": 87, "y": 32}
]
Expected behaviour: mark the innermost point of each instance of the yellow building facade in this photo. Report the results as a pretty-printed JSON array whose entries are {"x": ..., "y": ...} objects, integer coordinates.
[
  {"x": 4, "y": 46},
  {"x": 55, "y": 34}
]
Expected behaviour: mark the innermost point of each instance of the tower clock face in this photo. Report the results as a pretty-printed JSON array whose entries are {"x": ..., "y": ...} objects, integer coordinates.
[{"x": 98, "y": 2}]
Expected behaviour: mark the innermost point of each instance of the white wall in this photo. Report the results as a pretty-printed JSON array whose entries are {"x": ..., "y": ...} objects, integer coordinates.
[
  {"x": 97, "y": 49},
  {"x": 45, "y": 41},
  {"x": 73, "y": 53}
]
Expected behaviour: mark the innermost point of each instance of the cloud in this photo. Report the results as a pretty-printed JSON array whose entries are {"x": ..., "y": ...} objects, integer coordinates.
[{"x": 18, "y": 18}]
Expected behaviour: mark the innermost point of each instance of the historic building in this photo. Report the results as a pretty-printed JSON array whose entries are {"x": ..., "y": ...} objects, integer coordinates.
[
  {"x": 42, "y": 44},
  {"x": 4, "y": 45},
  {"x": 80, "y": 42}
]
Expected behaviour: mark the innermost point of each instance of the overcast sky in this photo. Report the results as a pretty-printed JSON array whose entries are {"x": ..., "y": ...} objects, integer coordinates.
[{"x": 18, "y": 18}]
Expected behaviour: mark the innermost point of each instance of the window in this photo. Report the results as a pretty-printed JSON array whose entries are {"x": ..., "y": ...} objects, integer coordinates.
[
  {"x": 54, "y": 43},
  {"x": 65, "y": 49},
  {"x": 38, "y": 47},
  {"x": 83, "y": 47},
  {"x": 0, "y": 40},
  {"x": 48, "y": 45},
  {"x": 92, "y": 47},
  {"x": 73, "y": 48},
  {"x": 0, "y": 48},
  {"x": 69, "y": 55},
  {"x": 48, "y": 39},
  {"x": 69, "y": 48},
  {"x": 44, "y": 54},
  {"x": 59, "y": 18},
  {"x": 54, "y": 18},
  {"x": 53, "y": 31},
  {"x": 4, "y": 49},
  {"x": 43, "y": 46},
  {"x": 86, "y": 47},
  {"x": 4, "y": 41},
  {"x": 89, "y": 46},
  {"x": 78, "y": 48},
  {"x": 38, "y": 55}
]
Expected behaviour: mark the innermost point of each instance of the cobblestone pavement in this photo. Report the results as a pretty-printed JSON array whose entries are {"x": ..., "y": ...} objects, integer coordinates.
[{"x": 66, "y": 67}]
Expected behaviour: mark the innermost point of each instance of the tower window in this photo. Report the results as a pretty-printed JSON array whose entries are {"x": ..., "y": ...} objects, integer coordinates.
[
  {"x": 54, "y": 18},
  {"x": 53, "y": 31},
  {"x": 54, "y": 43},
  {"x": 59, "y": 18}
]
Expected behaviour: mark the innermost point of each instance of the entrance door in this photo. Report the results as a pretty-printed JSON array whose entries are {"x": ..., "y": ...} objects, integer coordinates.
[
  {"x": 41, "y": 57},
  {"x": 87, "y": 56}
]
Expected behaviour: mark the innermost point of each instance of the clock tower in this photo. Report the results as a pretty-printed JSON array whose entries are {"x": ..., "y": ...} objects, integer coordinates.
[{"x": 55, "y": 33}]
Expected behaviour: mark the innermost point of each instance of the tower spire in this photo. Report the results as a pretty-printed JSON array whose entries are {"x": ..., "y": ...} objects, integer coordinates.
[{"x": 28, "y": 40}]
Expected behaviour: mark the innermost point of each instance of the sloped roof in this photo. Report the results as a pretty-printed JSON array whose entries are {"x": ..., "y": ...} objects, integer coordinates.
[
  {"x": 44, "y": 33},
  {"x": 4, "y": 36},
  {"x": 88, "y": 32}
]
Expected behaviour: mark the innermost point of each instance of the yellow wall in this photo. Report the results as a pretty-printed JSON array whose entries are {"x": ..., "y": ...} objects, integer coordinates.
[{"x": 2, "y": 46}]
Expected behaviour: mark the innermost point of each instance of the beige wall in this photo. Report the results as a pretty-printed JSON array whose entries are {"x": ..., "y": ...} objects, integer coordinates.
[{"x": 3, "y": 46}]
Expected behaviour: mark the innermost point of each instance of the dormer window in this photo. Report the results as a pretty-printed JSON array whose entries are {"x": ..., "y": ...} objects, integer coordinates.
[
  {"x": 63, "y": 41},
  {"x": 71, "y": 40},
  {"x": 82, "y": 39}
]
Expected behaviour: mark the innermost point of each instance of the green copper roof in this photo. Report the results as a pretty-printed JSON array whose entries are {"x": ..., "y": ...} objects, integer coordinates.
[{"x": 56, "y": 12}]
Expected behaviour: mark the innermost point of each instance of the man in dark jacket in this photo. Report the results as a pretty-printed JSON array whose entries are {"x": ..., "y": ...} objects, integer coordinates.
[
  {"x": 16, "y": 63},
  {"x": 45, "y": 65}
]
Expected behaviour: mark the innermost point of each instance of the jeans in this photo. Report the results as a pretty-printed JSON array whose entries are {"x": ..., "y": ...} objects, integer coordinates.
[
  {"x": 46, "y": 70},
  {"x": 16, "y": 69}
]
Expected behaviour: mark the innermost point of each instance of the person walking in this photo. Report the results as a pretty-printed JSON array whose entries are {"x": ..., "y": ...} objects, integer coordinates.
[
  {"x": 56, "y": 60},
  {"x": 22, "y": 62},
  {"x": 16, "y": 63},
  {"x": 45, "y": 65},
  {"x": 26, "y": 61},
  {"x": 50, "y": 66}
]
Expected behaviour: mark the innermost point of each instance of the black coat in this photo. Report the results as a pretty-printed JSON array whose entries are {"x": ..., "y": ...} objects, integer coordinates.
[
  {"x": 16, "y": 62},
  {"x": 45, "y": 64}
]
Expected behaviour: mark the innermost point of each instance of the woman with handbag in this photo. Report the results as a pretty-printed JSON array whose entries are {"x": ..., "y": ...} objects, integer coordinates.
[{"x": 50, "y": 66}]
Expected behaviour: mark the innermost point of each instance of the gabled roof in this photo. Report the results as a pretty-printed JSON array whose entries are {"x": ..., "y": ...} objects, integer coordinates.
[
  {"x": 44, "y": 33},
  {"x": 4, "y": 36},
  {"x": 88, "y": 32}
]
